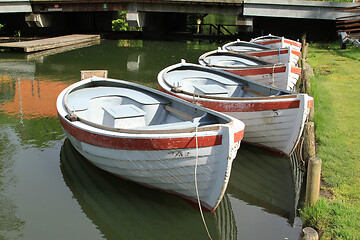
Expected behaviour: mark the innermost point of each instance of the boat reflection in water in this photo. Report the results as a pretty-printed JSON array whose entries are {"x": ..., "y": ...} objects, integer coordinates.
[
  {"x": 264, "y": 180},
  {"x": 125, "y": 210}
]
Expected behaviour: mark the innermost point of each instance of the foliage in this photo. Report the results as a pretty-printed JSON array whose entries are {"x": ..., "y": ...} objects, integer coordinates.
[
  {"x": 192, "y": 19},
  {"x": 336, "y": 91},
  {"x": 1, "y": 26},
  {"x": 17, "y": 34},
  {"x": 120, "y": 24}
]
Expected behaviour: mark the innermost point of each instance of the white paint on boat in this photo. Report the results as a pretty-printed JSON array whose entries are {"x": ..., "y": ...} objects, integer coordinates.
[
  {"x": 150, "y": 137},
  {"x": 274, "y": 118},
  {"x": 281, "y": 75}
]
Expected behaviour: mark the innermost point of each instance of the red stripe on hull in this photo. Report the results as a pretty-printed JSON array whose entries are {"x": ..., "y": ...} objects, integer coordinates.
[
  {"x": 250, "y": 107},
  {"x": 292, "y": 42},
  {"x": 268, "y": 42},
  {"x": 257, "y": 71},
  {"x": 296, "y": 70},
  {"x": 267, "y": 53},
  {"x": 243, "y": 106},
  {"x": 238, "y": 136},
  {"x": 310, "y": 103},
  {"x": 138, "y": 143},
  {"x": 297, "y": 53}
]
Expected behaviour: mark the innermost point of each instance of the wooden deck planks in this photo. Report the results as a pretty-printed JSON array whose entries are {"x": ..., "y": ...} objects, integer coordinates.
[{"x": 50, "y": 43}]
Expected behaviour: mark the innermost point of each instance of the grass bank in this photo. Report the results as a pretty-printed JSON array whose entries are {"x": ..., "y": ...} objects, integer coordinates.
[{"x": 336, "y": 90}]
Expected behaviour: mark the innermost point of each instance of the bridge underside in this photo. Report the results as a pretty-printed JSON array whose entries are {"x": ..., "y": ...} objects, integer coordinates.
[{"x": 161, "y": 17}]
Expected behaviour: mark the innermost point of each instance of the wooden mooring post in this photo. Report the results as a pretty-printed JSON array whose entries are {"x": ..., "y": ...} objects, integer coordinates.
[
  {"x": 309, "y": 142},
  {"x": 313, "y": 181},
  {"x": 309, "y": 152},
  {"x": 305, "y": 79},
  {"x": 309, "y": 233}
]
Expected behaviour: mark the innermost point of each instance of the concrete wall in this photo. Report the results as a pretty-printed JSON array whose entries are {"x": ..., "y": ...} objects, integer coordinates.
[
  {"x": 15, "y": 6},
  {"x": 296, "y": 9}
]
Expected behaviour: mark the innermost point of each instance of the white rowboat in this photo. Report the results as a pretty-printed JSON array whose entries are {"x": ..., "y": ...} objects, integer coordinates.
[
  {"x": 117, "y": 208},
  {"x": 151, "y": 138},
  {"x": 243, "y": 46},
  {"x": 276, "y": 55},
  {"x": 272, "y": 41},
  {"x": 284, "y": 76},
  {"x": 274, "y": 118}
]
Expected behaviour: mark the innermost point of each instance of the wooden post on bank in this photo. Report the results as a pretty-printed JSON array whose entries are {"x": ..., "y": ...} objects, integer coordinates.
[
  {"x": 313, "y": 181},
  {"x": 309, "y": 233},
  {"x": 309, "y": 142},
  {"x": 302, "y": 63}
]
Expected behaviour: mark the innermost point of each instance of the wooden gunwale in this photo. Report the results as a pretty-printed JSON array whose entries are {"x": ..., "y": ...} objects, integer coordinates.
[
  {"x": 214, "y": 127},
  {"x": 267, "y": 52},
  {"x": 176, "y": 90},
  {"x": 263, "y": 96},
  {"x": 236, "y": 54}
]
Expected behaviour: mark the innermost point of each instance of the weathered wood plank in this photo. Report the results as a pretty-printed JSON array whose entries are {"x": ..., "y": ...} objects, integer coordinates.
[
  {"x": 41, "y": 54},
  {"x": 85, "y": 74},
  {"x": 50, "y": 43}
]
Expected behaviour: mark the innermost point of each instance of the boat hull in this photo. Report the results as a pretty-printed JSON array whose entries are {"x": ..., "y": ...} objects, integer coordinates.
[
  {"x": 164, "y": 161},
  {"x": 284, "y": 76},
  {"x": 277, "y": 42},
  {"x": 281, "y": 55},
  {"x": 109, "y": 203},
  {"x": 281, "y": 76},
  {"x": 275, "y": 123}
]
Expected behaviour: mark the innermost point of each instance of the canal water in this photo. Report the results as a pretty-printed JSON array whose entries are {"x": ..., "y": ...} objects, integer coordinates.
[{"x": 49, "y": 191}]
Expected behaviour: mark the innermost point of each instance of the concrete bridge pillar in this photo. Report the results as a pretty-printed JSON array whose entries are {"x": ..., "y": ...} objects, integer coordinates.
[{"x": 70, "y": 22}]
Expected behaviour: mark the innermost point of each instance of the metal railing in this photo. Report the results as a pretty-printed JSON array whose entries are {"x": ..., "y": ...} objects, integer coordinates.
[{"x": 219, "y": 29}]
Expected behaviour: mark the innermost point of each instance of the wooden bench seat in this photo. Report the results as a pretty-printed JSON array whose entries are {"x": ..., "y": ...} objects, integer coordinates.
[{"x": 123, "y": 116}]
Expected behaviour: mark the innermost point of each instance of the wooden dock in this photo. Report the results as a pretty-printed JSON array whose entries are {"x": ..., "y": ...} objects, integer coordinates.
[
  {"x": 41, "y": 54},
  {"x": 51, "y": 43}
]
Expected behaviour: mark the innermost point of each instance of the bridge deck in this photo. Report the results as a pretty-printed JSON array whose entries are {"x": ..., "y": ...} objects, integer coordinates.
[{"x": 49, "y": 43}]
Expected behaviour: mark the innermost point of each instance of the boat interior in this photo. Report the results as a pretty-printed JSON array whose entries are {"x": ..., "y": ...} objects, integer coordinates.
[
  {"x": 223, "y": 58},
  {"x": 231, "y": 61},
  {"x": 201, "y": 82},
  {"x": 129, "y": 108},
  {"x": 242, "y": 46}
]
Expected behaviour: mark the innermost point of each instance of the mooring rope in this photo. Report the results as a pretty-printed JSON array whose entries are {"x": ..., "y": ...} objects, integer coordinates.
[
  {"x": 279, "y": 56},
  {"x": 272, "y": 81},
  {"x": 196, "y": 187}
]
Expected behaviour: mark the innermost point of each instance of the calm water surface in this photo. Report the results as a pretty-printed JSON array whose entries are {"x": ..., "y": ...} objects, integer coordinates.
[{"x": 49, "y": 191}]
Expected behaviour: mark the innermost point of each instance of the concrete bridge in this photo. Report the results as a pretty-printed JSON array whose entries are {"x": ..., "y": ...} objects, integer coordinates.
[{"x": 160, "y": 14}]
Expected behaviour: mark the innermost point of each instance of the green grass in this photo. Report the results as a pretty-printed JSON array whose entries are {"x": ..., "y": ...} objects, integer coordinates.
[
  {"x": 333, "y": 0},
  {"x": 336, "y": 90}
]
